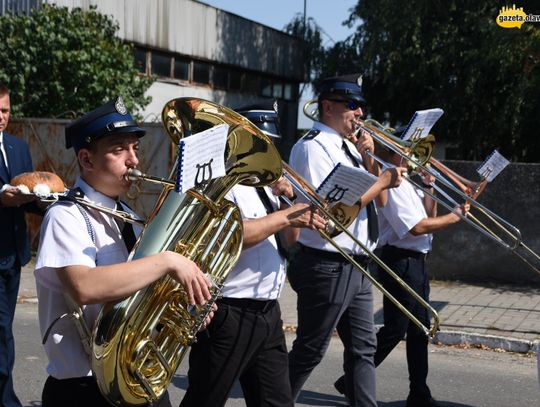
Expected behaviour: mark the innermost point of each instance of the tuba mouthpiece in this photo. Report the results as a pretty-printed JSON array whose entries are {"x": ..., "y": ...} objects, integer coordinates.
[{"x": 133, "y": 174}]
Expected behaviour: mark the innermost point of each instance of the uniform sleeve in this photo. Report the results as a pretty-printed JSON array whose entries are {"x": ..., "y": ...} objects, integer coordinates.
[
  {"x": 311, "y": 162},
  {"x": 401, "y": 210}
]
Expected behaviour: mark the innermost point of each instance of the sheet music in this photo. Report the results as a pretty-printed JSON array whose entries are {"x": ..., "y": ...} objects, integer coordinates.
[
  {"x": 201, "y": 157},
  {"x": 492, "y": 166},
  {"x": 421, "y": 123},
  {"x": 346, "y": 184}
]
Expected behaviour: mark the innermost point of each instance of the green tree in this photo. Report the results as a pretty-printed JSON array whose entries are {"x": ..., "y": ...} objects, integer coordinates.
[
  {"x": 449, "y": 54},
  {"x": 59, "y": 62}
]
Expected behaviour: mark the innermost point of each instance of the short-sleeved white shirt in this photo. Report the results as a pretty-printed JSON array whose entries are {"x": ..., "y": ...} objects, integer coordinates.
[
  {"x": 314, "y": 158},
  {"x": 259, "y": 272},
  {"x": 404, "y": 209},
  {"x": 64, "y": 241}
]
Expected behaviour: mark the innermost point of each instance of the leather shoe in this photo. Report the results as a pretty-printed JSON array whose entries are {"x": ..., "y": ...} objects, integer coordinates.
[
  {"x": 339, "y": 384},
  {"x": 422, "y": 402}
]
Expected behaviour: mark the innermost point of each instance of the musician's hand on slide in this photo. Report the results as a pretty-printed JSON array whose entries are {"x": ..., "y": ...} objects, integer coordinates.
[
  {"x": 303, "y": 215},
  {"x": 282, "y": 187}
]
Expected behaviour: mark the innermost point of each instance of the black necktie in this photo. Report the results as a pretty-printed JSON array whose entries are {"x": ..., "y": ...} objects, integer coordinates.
[
  {"x": 373, "y": 222},
  {"x": 128, "y": 235},
  {"x": 269, "y": 209},
  {"x": 3, "y": 166}
]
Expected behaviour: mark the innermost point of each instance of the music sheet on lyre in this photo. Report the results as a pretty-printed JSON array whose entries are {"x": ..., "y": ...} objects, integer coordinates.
[{"x": 201, "y": 157}]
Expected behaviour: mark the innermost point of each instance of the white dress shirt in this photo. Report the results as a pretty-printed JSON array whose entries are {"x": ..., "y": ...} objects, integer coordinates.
[
  {"x": 260, "y": 271},
  {"x": 404, "y": 209},
  {"x": 314, "y": 158},
  {"x": 65, "y": 241}
]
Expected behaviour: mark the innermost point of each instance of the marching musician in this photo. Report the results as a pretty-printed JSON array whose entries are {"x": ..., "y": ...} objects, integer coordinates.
[
  {"x": 246, "y": 341},
  {"x": 331, "y": 293},
  {"x": 408, "y": 220},
  {"x": 83, "y": 252},
  {"x": 14, "y": 244}
]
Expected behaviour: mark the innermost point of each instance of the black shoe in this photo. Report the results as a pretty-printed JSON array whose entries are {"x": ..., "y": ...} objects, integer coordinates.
[
  {"x": 339, "y": 384},
  {"x": 422, "y": 402}
]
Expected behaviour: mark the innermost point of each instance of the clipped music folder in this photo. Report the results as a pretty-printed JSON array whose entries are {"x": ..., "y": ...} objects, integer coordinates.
[
  {"x": 345, "y": 184},
  {"x": 492, "y": 166},
  {"x": 421, "y": 123},
  {"x": 201, "y": 158}
]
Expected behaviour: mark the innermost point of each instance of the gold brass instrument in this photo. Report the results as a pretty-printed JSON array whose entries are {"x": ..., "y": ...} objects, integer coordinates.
[
  {"x": 308, "y": 192},
  {"x": 138, "y": 343}
]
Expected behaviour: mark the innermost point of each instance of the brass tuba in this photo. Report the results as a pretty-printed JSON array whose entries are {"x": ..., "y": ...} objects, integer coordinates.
[{"x": 139, "y": 342}]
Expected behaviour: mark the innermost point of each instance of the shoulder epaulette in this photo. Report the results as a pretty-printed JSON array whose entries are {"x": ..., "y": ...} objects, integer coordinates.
[{"x": 311, "y": 134}]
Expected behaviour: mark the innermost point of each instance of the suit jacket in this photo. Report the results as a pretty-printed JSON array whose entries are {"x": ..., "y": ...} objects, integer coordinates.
[{"x": 14, "y": 235}]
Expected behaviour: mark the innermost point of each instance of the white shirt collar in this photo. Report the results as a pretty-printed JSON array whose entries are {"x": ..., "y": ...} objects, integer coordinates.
[{"x": 95, "y": 196}]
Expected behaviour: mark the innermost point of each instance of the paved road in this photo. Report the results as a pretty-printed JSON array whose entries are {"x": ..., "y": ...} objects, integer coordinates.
[{"x": 460, "y": 376}]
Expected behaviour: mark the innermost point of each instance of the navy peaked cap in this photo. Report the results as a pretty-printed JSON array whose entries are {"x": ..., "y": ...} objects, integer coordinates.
[
  {"x": 110, "y": 119},
  {"x": 348, "y": 86},
  {"x": 264, "y": 115}
]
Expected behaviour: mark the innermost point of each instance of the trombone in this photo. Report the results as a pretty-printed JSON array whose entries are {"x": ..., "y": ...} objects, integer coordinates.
[
  {"x": 308, "y": 192},
  {"x": 419, "y": 157},
  {"x": 418, "y": 153}
]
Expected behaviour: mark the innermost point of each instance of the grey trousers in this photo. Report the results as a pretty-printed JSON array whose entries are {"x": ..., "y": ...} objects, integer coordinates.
[{"x": 333, "y": 295}]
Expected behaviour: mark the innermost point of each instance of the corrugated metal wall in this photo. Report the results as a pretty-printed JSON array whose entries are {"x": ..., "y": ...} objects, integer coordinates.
[{"x": 202, "y": 31}]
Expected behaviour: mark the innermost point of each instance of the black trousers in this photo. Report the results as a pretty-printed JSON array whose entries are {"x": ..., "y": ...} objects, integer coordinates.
[
  {"x": 245, "y": 341},
  {"x": 79, "y": 391},
  {"x": 9, "y": 287},
  {"x": 332, "y": 294},
  {"x": 409, "y": 266}
]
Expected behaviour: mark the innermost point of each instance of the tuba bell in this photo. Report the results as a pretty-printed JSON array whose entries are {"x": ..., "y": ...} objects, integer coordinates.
[{"x": 139, "y": 342}]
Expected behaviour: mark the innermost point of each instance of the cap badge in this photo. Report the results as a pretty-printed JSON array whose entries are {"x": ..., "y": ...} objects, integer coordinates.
[
  {"x": 120, "y": 106},
  {"x": 276, "y": 106},
  {"x": 359, "y": 81}
]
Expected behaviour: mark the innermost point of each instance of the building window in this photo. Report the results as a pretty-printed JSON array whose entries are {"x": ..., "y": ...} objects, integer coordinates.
[
  {"x": 266, "y": 87},
  {"x": 251, "y": 83},
  {"x": 235, "y": 80},
  {"x": 288, "y": 92},
  {"x": 181, "y": 69},
  {"x": 220, "y": 77},
  {"x": 161, "y": 64},
  {"x": 201, "y": 72},
  {"x": 277, "y": 90},
  {"x": 140, "y": 59}
]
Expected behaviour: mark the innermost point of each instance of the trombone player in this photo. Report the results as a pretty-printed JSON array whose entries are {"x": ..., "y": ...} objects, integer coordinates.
[
  {"x": 406, "y": 223},
  {"x": 331, "y": 293}
]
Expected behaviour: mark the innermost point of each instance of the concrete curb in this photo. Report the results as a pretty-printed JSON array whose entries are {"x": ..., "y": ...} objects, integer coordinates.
[
  {"x": 447, "y": 338},
  {"x": 489, "y": 341}
]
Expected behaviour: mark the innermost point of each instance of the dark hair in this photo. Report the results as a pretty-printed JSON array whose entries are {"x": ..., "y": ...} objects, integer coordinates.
[{"x": 3, "y": 89}]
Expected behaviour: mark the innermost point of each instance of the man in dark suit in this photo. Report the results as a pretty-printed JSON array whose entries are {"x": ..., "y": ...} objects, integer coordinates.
[{"x": 14, "y": 243}]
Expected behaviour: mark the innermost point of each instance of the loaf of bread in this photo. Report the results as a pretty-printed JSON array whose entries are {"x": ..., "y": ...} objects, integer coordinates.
[{"x": 38, "y": 182}]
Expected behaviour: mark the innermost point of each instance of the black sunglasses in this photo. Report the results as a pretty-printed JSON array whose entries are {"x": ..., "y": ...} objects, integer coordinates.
[{"x": 351, "y": 104}]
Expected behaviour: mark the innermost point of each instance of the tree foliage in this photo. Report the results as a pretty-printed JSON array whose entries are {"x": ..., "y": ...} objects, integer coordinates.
[
  {"x": 449, "y": 54},
  {"x": 58, "y": 62}
]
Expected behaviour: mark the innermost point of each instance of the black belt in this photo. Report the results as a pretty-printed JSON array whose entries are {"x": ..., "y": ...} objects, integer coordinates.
[
  {"x": 398, "y": 251},
  {"x": 248, "y": 304},
  {"x": 334, "y": 256}
]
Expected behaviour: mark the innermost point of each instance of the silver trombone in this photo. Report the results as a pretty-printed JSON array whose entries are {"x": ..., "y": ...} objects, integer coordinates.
[{"x": 418, "y": 153}]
